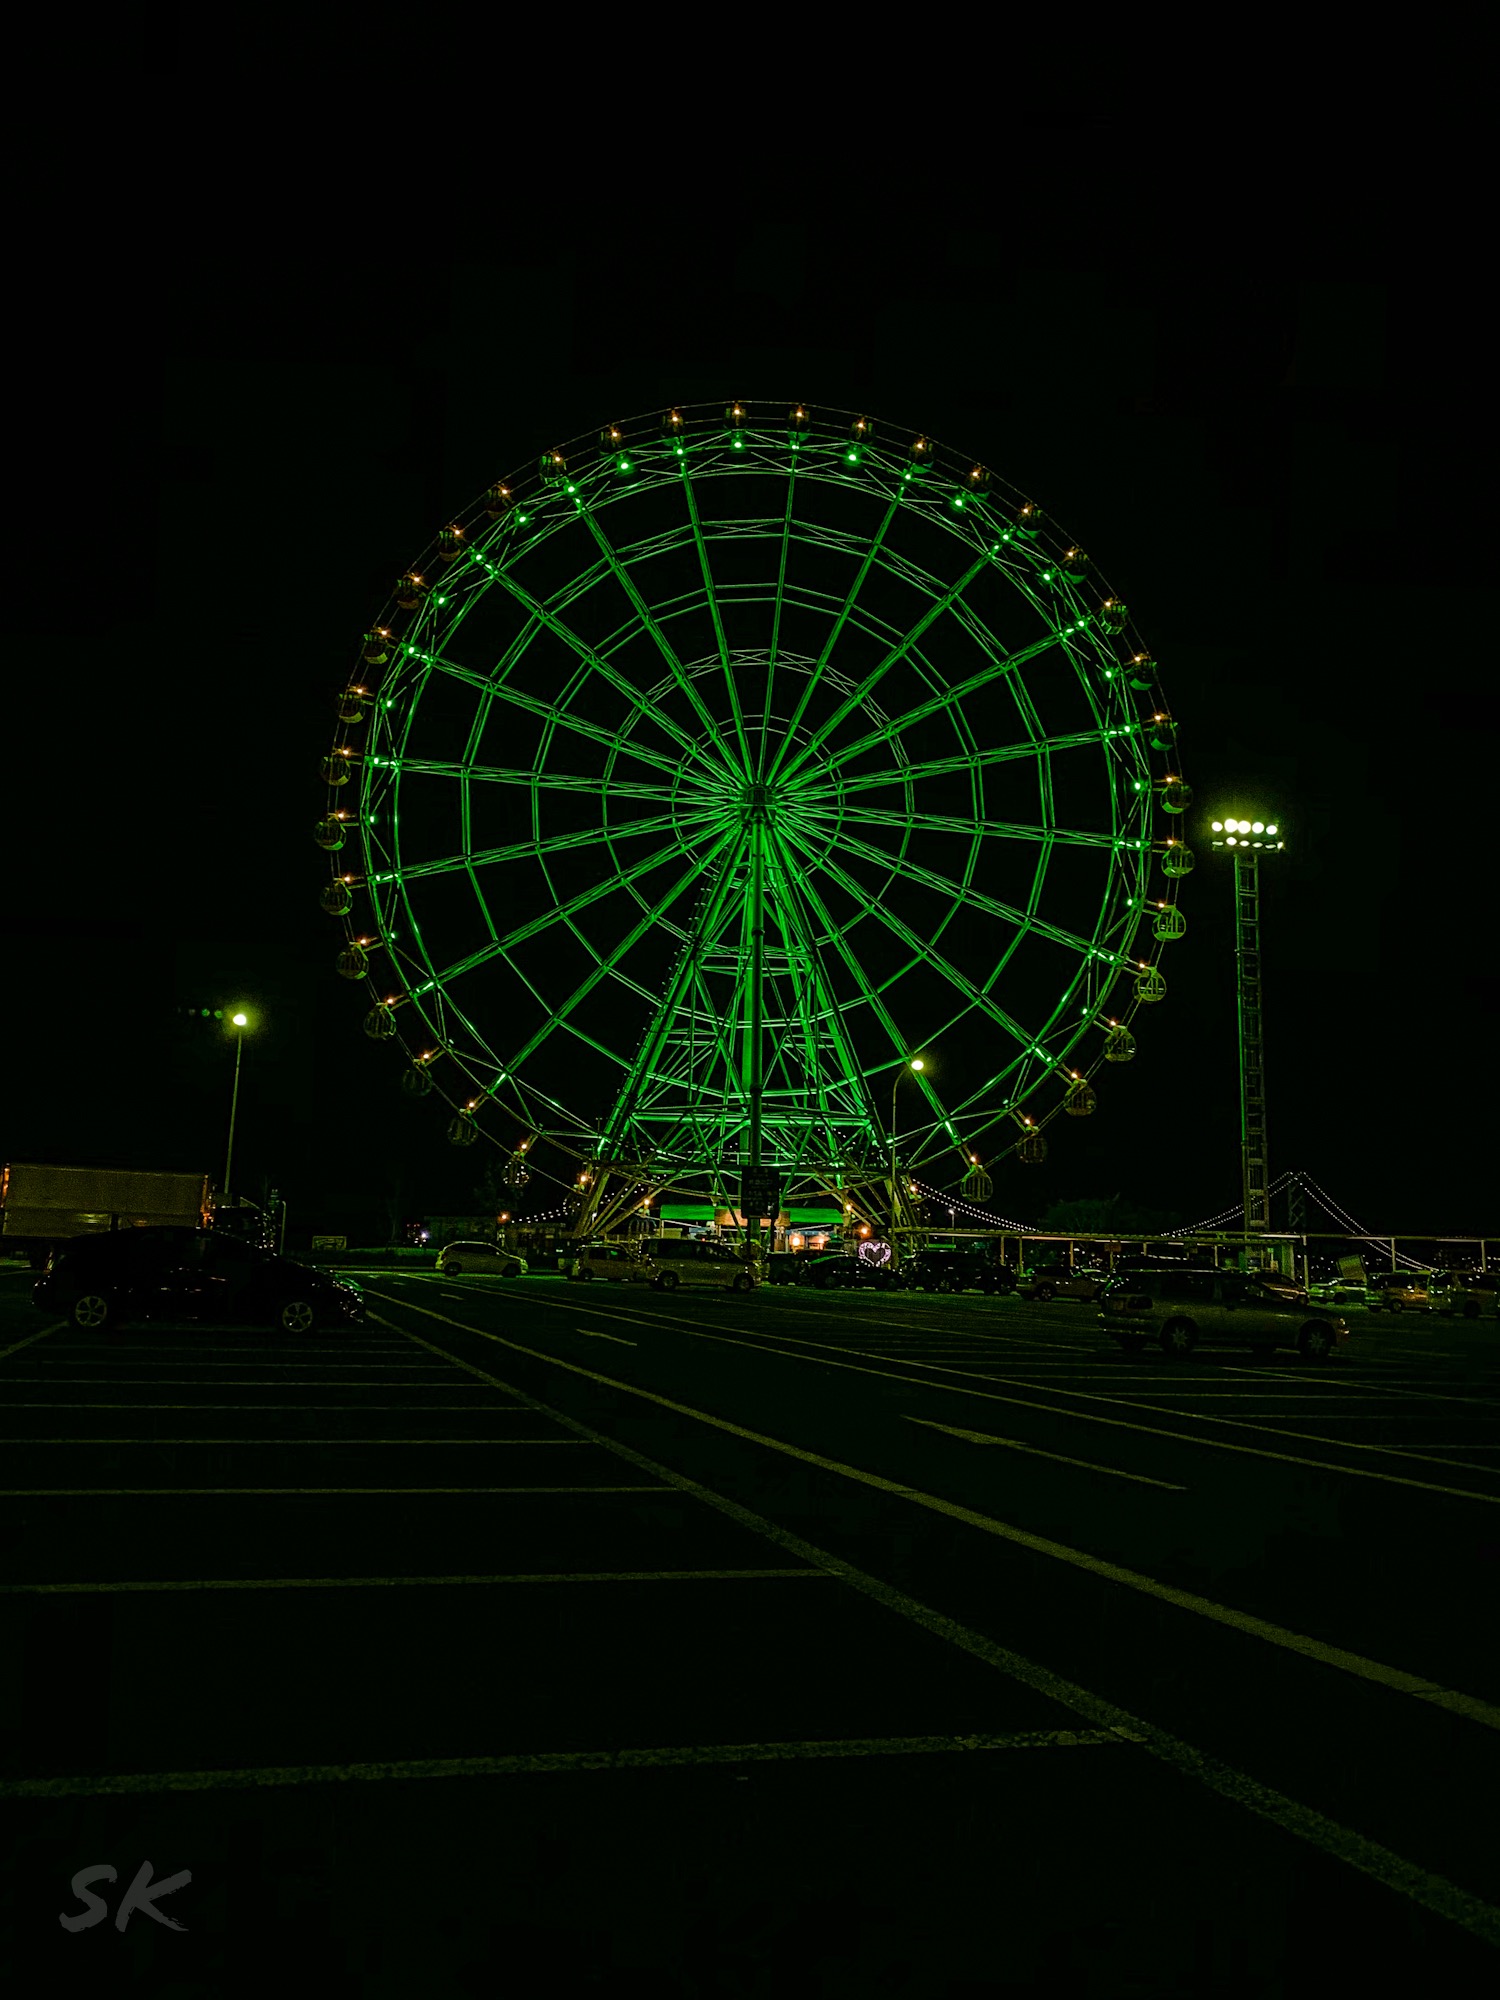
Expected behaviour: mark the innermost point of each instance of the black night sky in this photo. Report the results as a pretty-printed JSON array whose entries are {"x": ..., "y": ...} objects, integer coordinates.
[{"x": 1262, "y": 436}]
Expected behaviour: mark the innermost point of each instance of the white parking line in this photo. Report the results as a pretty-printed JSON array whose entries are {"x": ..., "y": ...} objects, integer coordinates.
[
  {"x": 826, "y": 1351},
  {"x": 557, "y": 1761},
  {"x": 1014, "y": 1444},
  {"x": 1432, "y": 1892},
  {"x": 15, "y": 1347},
  {"x": 1396, "y": 1679}
]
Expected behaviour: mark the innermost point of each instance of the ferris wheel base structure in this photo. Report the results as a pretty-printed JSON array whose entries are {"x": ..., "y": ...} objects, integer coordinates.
[{"x": 698, "y": 778}]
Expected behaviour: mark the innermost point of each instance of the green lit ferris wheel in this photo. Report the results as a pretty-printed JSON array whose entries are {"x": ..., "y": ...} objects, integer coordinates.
[{"x": 698, "y": 780}]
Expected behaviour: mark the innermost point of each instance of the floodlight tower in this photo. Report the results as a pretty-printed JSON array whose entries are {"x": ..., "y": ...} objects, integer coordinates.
[{"x": 1249, "y": 839}]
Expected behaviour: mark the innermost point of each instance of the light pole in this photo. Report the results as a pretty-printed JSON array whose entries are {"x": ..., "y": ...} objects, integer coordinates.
[
  {"x": 917, "y": 1065},
  {"x": 239, "y": 1022},
  {"x": 1248, "y": 839}
]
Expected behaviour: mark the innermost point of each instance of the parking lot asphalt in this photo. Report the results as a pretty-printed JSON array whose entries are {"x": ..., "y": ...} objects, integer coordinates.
[{"x": 537, "y": 1637}]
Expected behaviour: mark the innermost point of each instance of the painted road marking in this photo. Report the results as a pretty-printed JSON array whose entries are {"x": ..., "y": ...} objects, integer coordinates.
[
  {"x": 1014, "y": 1444},
  {"x": 349, "y": 1409},
  {"x": 861, "y": 1367},
  {"x": 16, "y": 1345},
  {"x": 558, "y": 1761},
  {"x": 205, "y": 1361},
  {"x": 1392, "y": 1871},
  {"x": 1397, "y": 1679},
  {"x": 594, "y": 1334},
  {"x": 191, "y": 1382},
  {"x": 203, "y": 1492},
  {"x": 423, "y": 1582},
  {"x": 1315, "y": 1387},
  {"x": 293, "y": 1440}
]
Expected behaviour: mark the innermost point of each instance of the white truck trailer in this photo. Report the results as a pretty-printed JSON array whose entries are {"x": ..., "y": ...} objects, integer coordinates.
[{"x": 42, "y": 1206}]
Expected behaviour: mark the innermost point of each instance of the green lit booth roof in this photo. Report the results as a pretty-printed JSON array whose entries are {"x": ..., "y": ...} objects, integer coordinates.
[{"x": 704, "y": 1211}]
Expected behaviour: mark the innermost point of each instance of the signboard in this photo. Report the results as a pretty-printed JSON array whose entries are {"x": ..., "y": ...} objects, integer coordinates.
[
  {"x": 330, "y": 1243},
  {"x": 760, "y": 1191},
  {"x": 1352, "y": 1270}
]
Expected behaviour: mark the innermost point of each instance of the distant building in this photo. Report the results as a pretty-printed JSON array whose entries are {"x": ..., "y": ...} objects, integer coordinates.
[{"x": 440, "y": 1229}]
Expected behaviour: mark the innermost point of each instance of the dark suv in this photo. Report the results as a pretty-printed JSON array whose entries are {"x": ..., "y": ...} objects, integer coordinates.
[
  {"x": 954, "y": 1271},
  {"x": 185, "y": 1274}
]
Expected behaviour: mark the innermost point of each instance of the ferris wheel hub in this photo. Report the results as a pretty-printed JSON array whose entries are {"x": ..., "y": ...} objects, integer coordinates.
[{"x": 755, "y": 803}]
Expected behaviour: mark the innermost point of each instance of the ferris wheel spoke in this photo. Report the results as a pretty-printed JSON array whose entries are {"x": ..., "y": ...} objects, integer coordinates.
[
  {"x": 786, "y": 542},
  {"x": 876, "y": 543},
  {"x": 962, "y": 892},
  {"x": 495, "y": 774},
  {"x": 939, "y": 767},
  {"x": 603, "y": 787},
  {"x": 547, "y": 711},
  {"x": 561, "y": 843},
  {"x": 607, "y": 965},
  {"x": 970, "y": 828},
  {"x": 897, "y": 724},
  {"x": 718, "y": 623},
  {"x": 621, "y": 683},
  {"x": 925, "y": 951},
  {"x": 800, "y": 890},
  {"x": 560, "y": 913},
  {"x": 859, "y": 695},
  {"x": 679, "y": 674}
]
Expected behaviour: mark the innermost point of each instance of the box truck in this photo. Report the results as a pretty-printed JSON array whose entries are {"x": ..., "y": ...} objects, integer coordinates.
[{"x": 43, "y": 1206}]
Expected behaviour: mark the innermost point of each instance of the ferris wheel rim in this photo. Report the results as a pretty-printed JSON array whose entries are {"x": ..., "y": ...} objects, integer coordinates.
[{"x": 713, "y": 767}]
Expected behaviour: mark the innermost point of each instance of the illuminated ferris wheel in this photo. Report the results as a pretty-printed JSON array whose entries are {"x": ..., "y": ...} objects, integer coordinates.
[{"x": 695, "y": 783}]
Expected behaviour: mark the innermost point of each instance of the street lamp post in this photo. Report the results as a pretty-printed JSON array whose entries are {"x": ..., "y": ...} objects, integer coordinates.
[
  {"x": 1248, "y": 839},
  {"x": 915, "y": 1064},
  {"x": 239, "y": 1022}
]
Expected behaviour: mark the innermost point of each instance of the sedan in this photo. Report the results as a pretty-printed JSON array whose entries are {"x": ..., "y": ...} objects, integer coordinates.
[{"x": 183, "y": 1274}]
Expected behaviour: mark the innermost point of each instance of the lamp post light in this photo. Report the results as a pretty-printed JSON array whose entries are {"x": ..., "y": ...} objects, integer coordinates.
[
  {"x": 239, "y": 1022},
  {"x": 1248, "y": 839},
  {"x": 916, "y": 1065}
]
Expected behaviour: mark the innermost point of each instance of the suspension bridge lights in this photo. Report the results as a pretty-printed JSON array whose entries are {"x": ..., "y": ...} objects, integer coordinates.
[{"x": 1248, "y": 839}]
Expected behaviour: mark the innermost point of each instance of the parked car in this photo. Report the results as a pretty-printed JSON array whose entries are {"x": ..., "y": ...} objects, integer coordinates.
[
  {"x": 784, "y": 1267},
  {"x": 1061, "y": 1281},
  {"x": 719, "y": 1266},
  {"x": 835, "y": 1269},
  {"x": 934, "y": 1270},
  {"x": 619, "y": 1263},
  {"x": 184, "y": 1274},
  {"x": 1468, "y": 1294},
  {"x": 1287, "y": 1288},
  {"x": 1401, "y": 1291},
  {"x": 477, "y": 1258},
  {"x": 1178, "y": 1308},
  {"x": 1337, "y": 1292}
]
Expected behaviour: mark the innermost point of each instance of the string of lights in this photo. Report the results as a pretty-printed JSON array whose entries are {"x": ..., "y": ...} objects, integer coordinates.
[
  {"x": 1225, "y": 1215},
  {"x": 967, "y": 1208}
]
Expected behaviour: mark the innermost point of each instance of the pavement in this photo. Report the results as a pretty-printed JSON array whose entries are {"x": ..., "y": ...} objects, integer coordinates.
[{"x": 537, "y": 1637}]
